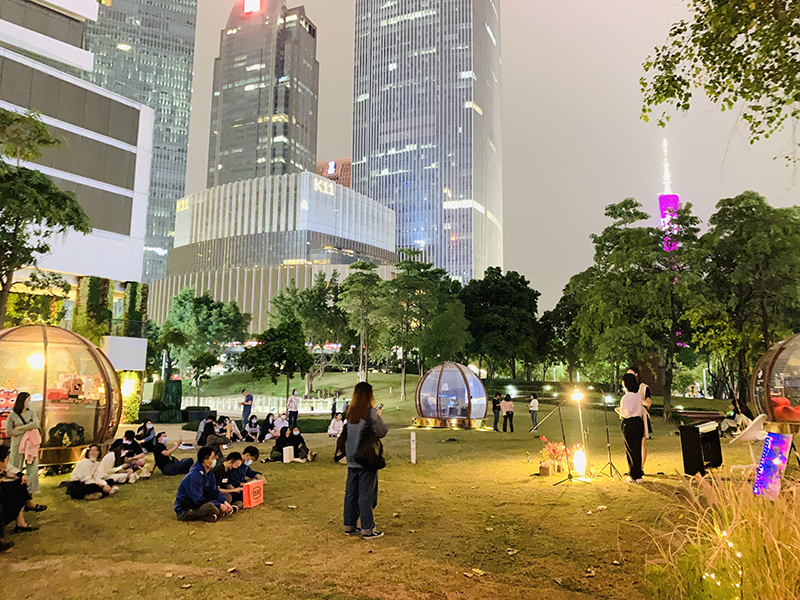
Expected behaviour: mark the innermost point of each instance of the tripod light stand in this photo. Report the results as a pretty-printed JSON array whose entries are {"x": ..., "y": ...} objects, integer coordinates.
[
  {"x": 612, "y": 469},
  {"x": 566, "y": 451}
]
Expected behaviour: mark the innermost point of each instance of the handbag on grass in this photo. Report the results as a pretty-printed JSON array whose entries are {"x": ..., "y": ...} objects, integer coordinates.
[{"x": 369, "y": 453}]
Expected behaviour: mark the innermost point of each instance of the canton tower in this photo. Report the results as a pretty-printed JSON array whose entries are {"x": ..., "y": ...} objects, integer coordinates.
[{"x": 668, "y": 202}]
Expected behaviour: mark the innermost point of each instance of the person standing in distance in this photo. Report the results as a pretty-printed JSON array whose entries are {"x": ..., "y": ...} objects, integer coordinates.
[
  {"x": 361, "y": 490},
  {"x": 630, "y": 410},
  {"x": 293, "y": 407},
  {"x": 247, "y": 406},
  {"x": 507, "y": 406},
  {"x": 496, "y": 410},
  {"x": 647, "y": 402},
  {"x": 533, "y": 408}
]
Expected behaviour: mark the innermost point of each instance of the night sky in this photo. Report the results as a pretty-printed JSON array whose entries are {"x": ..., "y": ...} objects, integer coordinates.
[{"x": 572, "y": 138}]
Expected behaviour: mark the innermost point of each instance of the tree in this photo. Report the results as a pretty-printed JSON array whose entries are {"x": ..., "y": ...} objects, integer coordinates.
[
  {"x": 32, "y": 208},
  {"x": 206, "y": 324},
  {"x": 200, "y": 365},
  {"x": 446, "y": 336},
  {"x": 279, "y": 351},
  {"x": 736, "y": 52},
  {"x": 359, "y": 299},
  {"x": 750, "y": 286},
  {"x": 43, "y": 301},
  {"x": 634, "y": 300},
  {"x": 560, "y": 339},
  {"x": 501, "y": 310},
  {"x": 162, "y": 348}
]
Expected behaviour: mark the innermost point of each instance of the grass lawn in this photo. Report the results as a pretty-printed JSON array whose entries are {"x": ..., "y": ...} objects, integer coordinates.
[{"x": 471, "y": 502}]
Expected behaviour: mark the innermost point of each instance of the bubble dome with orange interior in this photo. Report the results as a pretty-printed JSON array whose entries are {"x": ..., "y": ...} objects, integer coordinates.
[
  {"x": 776, "y": 383},
  {"x": 450, "y": 395},
  {"x": 73, "y": 386}
]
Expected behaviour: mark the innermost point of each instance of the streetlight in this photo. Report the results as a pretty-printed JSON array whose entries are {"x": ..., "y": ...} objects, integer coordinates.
[{"x": 577, "y": 396}]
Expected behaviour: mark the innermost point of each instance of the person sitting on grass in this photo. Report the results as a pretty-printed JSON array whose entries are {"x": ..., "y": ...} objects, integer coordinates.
[
  {"x": 146, "y": 435},
  {"x": 301, "y": 451},
  {"x": 168, "y": 464},
  {"x": 267, "y": 427},
  {"x": 113, "y": 468},
  {"x": 224, "y": 474},
  {"x": 131, "y": 452},
  {"x": 251, "y": 430},
  {"x": 281, "y": 442},
  {"x": 14, "y": 497},
  {"x": 245, "y": 473},
  {"x": 85, "y": 481},
  {"x": 198, "y": 497},
  {"x": 281, "y": 422},
  {"x": 229, "y": 429},
  {"x": 336, "y": 426},
  {"x": 202, "y": 427},
  {"x": 213, "y": 439}
]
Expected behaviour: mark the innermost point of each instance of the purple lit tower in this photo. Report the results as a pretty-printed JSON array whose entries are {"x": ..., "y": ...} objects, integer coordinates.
[{"x": 668, "y": 202}]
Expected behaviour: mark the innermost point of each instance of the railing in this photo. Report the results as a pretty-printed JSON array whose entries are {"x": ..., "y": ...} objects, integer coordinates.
[{"x": 262, "y": 405}]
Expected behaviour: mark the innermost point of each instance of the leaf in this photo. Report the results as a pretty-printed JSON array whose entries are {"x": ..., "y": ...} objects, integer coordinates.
[
  {"x": 232, "y": 570},
  {"x": 478, "y": 572}
]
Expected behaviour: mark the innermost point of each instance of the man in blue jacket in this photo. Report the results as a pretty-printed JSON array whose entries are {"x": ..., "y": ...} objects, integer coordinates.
[{"x": 198, "y": 497}]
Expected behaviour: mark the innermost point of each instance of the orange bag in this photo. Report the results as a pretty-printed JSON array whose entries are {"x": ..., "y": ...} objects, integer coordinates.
[{"x": 253, "y": 493}]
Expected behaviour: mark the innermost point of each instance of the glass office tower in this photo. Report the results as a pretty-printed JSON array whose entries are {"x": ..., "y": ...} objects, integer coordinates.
[
  {"x": 144, "y": 49},
  {"x": 426, "y": 139},
  {"x": 266, "y": 86}
]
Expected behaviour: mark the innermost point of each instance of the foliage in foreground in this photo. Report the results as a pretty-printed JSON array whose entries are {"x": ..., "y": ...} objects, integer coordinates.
[{"x": 727, "y": 543}]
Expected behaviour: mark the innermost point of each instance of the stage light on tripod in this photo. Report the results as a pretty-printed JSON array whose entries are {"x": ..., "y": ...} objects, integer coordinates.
[
  {"x": 609, "y": 399},
  {"x": 579, "y": 460},
  {"x": 577, "y": 396}
]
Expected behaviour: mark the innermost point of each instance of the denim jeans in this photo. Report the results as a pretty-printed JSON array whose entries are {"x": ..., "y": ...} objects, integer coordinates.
[
  {"x": 360, "y": 497},
  {"x": 496, "y": 419},
  {"x": 180, "y": 467},
  {"x": 293, "y": 418},
  {"x": 535, "y": 418}
]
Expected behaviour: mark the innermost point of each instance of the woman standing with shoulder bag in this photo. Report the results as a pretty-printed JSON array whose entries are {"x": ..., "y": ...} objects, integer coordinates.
[
  {"x": 22, "y": 427},
  {"x": 361, "y": 491}
]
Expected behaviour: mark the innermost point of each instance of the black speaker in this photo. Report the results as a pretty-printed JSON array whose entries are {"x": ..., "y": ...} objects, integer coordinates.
[{"x": 700, "y": 447}]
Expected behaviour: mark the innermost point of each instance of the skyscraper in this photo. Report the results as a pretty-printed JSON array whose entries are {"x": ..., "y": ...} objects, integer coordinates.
[
  {"x": 145, "y": 50},
  {"x": 426, "y": 139},
  {"x": 266, "y": 83}
]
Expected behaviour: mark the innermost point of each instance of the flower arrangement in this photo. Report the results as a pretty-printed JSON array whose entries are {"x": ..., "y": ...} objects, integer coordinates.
[{"x": 553, "y": 453}]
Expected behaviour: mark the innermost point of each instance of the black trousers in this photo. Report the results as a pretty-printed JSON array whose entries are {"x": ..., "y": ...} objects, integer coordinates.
[
  {"x": 508, "y": 421},
  {"x": 14, "y": 496},
  {"x": 633, "y": 432}
]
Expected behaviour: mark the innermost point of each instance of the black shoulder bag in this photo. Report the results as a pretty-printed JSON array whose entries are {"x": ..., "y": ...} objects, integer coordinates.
[{"x": 369, "y": 453}]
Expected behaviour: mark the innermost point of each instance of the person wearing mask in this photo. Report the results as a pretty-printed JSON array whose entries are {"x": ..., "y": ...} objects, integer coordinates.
[
  {"x": 281, "y": 442},
  {"x": 14, "y": 498},
  {"x": 227, "y": 427},
  {"x": 85, "y": 482},
  {"x": 202, "y": 427},
  {"x": 281, "y": 422},
  {"x": 301, "y": 451},
  {"x": 267, "y": 428},
  {"x": 23, "y": 424},
  {"x": 336, "y": 426},
  {"x": 224, "y": 474},
  {"x": 361, "y": 489},
  {"x": 631, "y": 411},
  {"x": 130, "y": 450},
  {"x": 647, "y": 402},
  {"x": 507, "y": 406},
  {"x": 168, "y": 464},
  {"x": 213, "y": 439},
  {"x": 533, "y": 408},
  {"x": 245, "y": 473},
  {"x": 146, "y": 436},
  {"x": 251, "y": 429},
  {"x": 198, "y": 497},
  {"x": 496, "y": 410},
  {"x": 247, "y": 406},
  {"x": 293, "y": 408}
]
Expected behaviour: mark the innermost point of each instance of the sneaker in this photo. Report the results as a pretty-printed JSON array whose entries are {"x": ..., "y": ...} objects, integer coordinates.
[
  {"x": 238, "y": 505},
  {"x": 36, "y": 508},
  {"x": 352, "y": 532},
  {"x": 21, "y": 529},
  {"x": 235, "y": 509},
  {"x": 374, "y": 534},
  {"x": 635, "y": 481},
  {"x": 113, "y": 490},
  {"x": 210, "y": 519}
]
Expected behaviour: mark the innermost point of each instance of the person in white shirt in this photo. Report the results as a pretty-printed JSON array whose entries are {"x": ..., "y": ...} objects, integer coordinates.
[
  {"x": 533, "y": 408},
  {"x": 293, "y": 408},
  {"x": 647, "y": 402},
  {"x": 630, "y": 410},
  {"x": 86, "y": 481},
  {"x": 336, "y": 426},
  {"x": 507, "y": 408},
  {"x": 280, "y": 423}
]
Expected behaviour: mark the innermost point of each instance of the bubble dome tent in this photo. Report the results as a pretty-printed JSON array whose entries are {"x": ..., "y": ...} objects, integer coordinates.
[
  {"x": 450, "y": 395},
  {"x": 73, "y": 386},
  {"x": 775, "y": 386}
]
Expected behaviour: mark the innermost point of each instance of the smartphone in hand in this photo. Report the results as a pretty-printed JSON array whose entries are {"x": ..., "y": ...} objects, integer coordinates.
[{"x": 380, "y": 406}]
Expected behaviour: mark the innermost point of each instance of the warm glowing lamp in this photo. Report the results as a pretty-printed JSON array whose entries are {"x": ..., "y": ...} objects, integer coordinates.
[
  {"x": 36, "y": 361},
  {"x": 577, "y": 396},
  {"x": 252, "y": 6},
  {"x": 579, "y": 460}
]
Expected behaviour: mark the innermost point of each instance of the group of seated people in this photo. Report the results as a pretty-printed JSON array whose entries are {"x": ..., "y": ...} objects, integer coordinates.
[{"x": 252, "y": 430}]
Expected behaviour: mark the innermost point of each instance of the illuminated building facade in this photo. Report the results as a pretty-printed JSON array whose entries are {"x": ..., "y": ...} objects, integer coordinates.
[
  {"x": 339, "y": 171},
  {"x": 426, "y": 116},
  {"x": 145, "y": 51},
  {"x": 247, "y": 240},
  {"x": 266, "y": 83}
]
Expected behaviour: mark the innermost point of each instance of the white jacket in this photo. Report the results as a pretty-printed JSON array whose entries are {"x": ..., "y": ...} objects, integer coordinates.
[{"x": 88, "y": 472}]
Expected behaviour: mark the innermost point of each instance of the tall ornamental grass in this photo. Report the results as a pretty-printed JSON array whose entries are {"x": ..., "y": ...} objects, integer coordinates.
[{"x": 722, "y": 542}]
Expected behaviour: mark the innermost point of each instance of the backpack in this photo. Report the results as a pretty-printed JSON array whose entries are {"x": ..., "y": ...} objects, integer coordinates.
[{"x": 369, "y": 453}]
